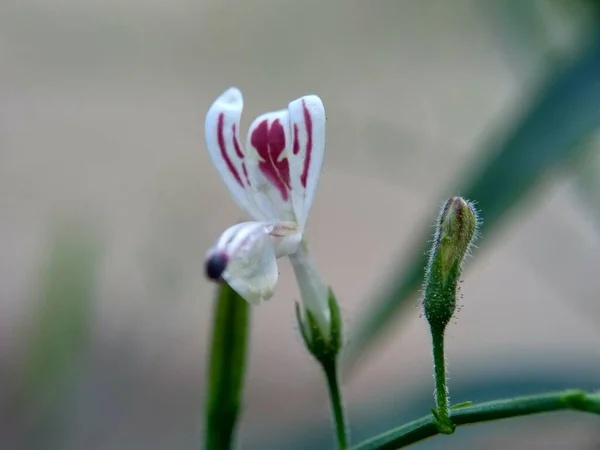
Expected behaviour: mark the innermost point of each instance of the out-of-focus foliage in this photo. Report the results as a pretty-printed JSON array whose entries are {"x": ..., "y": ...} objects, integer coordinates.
[
  {"x": 544, "y": 138},
  {"x": 59, "y": 333},
  {"x": 538, "y": 34},
  {"x": 588, "y": 180}
]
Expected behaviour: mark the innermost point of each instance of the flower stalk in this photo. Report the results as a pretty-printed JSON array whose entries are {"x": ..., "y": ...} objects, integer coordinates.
[
  {"x": 337, "y": 405},
  {"x": 320, "y": 325}
]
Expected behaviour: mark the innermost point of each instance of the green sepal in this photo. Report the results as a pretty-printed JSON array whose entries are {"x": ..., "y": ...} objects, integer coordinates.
[{"x": 324, "y": 348}]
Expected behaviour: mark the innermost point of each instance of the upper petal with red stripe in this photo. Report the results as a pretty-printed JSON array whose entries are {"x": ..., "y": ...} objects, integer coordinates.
[{"x": 275, "y": 176}]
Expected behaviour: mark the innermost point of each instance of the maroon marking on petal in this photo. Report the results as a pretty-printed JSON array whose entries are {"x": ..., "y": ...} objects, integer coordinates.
[
  {"x": 246, "y": 174},
  {"x": 236, "y": 145},
  {"x": 221, "y": 139},
  {"x": 309, "y": 142},
  {"x": 296, "y": 143},
  {"x": 270, "y": 144}
]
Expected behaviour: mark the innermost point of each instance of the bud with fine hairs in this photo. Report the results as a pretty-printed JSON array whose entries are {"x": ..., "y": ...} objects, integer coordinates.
[{"x": 456, "y": 230}]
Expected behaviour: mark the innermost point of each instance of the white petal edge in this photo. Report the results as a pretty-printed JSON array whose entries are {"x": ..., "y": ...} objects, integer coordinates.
[
  {"x": 306, "y": 152},
  {"x": 221, "y": 129}
]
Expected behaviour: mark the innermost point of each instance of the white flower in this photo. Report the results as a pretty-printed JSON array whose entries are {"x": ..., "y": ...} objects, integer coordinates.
[{"x": 273, "y": 178}]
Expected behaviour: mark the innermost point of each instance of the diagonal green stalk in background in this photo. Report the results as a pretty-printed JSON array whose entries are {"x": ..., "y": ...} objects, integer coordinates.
[
  {"x": 562, "y": 113},
  {"x": 227, "y": 366},
  {"x": 425, "y": 427}
]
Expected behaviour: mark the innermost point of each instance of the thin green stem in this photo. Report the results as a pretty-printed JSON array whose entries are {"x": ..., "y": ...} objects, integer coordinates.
[
  {"x": 337, "y": 406},
  {"x": 426, "y": 427},
  {"x": 442, "y": 413},
  {"x": 227, "y": 366}
]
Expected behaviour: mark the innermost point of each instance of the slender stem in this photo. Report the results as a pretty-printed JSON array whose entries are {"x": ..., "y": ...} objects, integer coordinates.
[
  {"x": 337, "y": 406},
  {"x": 426, "y": 427},
  {"x": 227, "y": 366},
  {"x": 441, "y": 388}
]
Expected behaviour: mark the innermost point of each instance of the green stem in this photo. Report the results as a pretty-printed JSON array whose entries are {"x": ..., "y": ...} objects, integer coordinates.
[
  {"x": 426, "y": 427},
  {"x": 227, "y": 364},
  {"x": 442, "y": 414},
  {"x": 337, "y": 407}
]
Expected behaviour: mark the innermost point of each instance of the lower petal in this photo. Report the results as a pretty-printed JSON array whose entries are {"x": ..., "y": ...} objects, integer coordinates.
[
  {"x": 254, "y": 275},
  {"x": 246, "y": 257}
]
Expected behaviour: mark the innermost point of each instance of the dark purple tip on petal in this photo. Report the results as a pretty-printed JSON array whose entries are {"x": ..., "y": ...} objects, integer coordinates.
[{"x": 216, "y": 265}]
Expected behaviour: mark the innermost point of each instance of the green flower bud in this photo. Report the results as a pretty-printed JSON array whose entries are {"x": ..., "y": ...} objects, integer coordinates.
[
  {"x": 455, "y": 232},
  {"x": 456, "y": 229}
]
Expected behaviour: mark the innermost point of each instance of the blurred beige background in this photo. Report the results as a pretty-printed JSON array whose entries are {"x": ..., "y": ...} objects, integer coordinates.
[{"x": 102, "y": 109}]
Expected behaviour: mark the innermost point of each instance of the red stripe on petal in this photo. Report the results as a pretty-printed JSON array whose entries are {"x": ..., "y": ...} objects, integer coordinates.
[
  {"x": 296, "y": 142},
  {"x": 246, "y": 174},
  {"x": 277, "y": 145},
  {"x": 236, "y": 144},
  {"x": 309, "y": 143},
  {"x": 221, "y": 139},
  {"x": 270, "y": 144}
]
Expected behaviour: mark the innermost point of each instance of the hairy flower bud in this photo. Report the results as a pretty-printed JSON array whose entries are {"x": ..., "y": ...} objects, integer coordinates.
[{"x": 456, "y": 229}]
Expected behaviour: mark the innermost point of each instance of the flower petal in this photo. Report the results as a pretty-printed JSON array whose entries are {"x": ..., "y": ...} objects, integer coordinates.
[
  {"x": 307, "y": 125},
  {"x": 275, "y": 176},
  {"x": 223, "y": 143},
  {"x": 268, "y": 168},
  {"x": 254, "y": 279},
  {"x": 245, "y": 256},
  {"x": 285, "y": 150}
]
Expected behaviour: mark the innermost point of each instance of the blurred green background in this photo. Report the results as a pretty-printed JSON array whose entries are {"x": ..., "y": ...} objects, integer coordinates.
[{"x": 109, "y": 203}]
